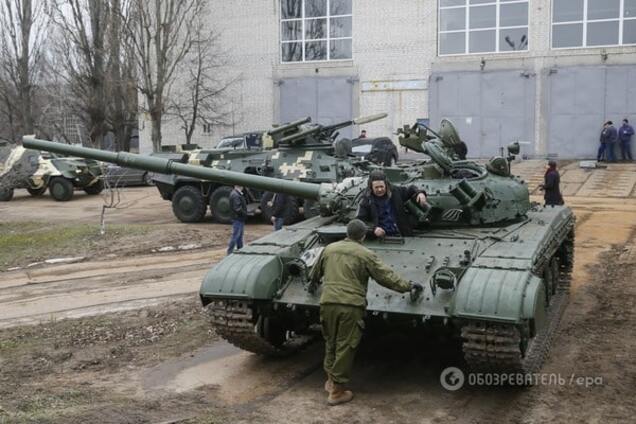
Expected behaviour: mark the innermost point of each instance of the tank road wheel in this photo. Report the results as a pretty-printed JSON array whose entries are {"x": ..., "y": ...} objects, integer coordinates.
[
  {"x": 220, "y": 205},
  {"x": 509, "y": 348},
  {"x": 61, "y": 189},
  {"x": 238, "y": 323},
  {"x": 6, "y": 194},
  {"x": 147, "y": 179},
  {"x": 188, "y": 204},
  {"x": 36, "y": 191},
  {"x": 96, "y": 188}
]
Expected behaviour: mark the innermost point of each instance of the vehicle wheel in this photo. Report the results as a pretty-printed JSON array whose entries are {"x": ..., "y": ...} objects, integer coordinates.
[
  {"x": 220, "y": 205},
  {"x": 148, "y": 179},
  {"x": 61, "y": 189},
  {"x": 6, "y": 195},
  {"x": 266, "y": 209},
  {"x": 188, "y": 204},
  {"x": 95, "y": 188},
  {"x": 36, "y": 191}
]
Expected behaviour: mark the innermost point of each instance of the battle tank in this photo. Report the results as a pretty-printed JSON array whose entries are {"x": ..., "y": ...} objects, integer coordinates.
[
  {"x": 496, "y": 268},
  {"x": 35, "y": 172},
  {"x": 300, "y": 150}
]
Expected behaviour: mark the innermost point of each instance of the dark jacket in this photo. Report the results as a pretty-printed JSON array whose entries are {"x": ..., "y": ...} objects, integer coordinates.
[
  {"x": 238, "y": 205},
  {"x": 552, "y": 194},
  {"x": 625, "y": 132},
  {"x": 280, "y": 208},
  {"x": 399, "y": 195},
  {"x": 461, "y": 150},
  {"x": 609, "y": 135}
]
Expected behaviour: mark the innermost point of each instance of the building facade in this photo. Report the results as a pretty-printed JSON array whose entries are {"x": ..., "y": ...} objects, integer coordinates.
[{"x": 547, "y": 73}]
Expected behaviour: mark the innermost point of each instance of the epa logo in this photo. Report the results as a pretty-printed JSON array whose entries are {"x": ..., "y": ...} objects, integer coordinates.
[{"x": 452, "y": 379}]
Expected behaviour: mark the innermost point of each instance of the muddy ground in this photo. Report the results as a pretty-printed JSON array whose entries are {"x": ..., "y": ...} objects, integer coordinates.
[{"x": 119, "y": 337}]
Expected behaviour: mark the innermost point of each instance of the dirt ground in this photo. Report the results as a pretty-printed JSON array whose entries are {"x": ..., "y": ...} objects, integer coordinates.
[{"x": 118, "y": 336}]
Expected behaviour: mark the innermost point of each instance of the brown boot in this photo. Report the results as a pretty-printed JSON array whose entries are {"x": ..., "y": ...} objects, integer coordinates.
[
  {"x": 328, "y": 384},
  {"x": 339, "y": 395}
]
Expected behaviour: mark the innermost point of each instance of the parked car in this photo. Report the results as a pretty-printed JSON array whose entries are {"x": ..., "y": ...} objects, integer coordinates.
[
  {"x": 380, "y": 150},
  {"x": 118, "y": 176},
  {"x": 245, "y": 141}
]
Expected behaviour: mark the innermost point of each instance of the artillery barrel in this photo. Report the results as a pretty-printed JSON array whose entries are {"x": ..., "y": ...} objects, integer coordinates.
[
  {"x": 168, "y": 166},
  {"x": 285, "y": 127}
]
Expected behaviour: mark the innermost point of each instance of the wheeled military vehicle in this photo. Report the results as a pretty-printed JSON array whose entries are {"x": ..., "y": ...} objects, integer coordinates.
[
  {"x": 300, "y": 150},
  {"x": 35, "y": 172},
  {"x": 496, "y": 267}
]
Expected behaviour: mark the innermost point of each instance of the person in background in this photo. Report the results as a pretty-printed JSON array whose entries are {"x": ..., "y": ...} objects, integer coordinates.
[
  {"x": 363, "y": 134},
  {"x": 625, "y": 133},
  {"x": 461, "y": 150},
  {"x": 280, "y": 203},
  {"x": 551, "y": 179},
  {"x": 608, "y": 136},
  {"x": 238, "y": 207}
]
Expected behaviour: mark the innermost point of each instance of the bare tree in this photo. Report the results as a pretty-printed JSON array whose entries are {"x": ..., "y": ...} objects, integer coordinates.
[
  {"x": 199, "y": 97},
  {"x": 95, "y": 57},
  {"x": 163, "y": 36},
  {"x": 21, "y": 46},
  {"x": 122, "y": 76},
  {"x": 82, "y": 25}
]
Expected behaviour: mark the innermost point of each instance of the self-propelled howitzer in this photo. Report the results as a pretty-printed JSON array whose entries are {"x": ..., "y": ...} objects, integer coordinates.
[{"x": 495, "y": 267}]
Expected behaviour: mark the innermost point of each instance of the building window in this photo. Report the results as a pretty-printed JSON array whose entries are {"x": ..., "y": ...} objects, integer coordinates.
[
  {"x": 314, "y": 30},
  {"x": 207, "y": 128},
  {"x": 482, "y": 26},
  {"x": 593, "y": 23}
]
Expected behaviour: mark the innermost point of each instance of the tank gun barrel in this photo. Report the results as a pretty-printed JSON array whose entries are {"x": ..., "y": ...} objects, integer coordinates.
[{"x": 168, "y": 166}]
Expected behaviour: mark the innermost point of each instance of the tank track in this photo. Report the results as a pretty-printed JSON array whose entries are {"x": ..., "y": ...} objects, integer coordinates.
[
  {"x": 236, "y": 322},
  {"x": 494, "y": 347}
]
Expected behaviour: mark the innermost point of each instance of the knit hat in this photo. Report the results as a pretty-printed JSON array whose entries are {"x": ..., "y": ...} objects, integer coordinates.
[{"x": 356, "y": 229}]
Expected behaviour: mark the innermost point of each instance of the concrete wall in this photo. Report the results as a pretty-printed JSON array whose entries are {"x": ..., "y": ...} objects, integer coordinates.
[{"x": 394, "y": 54}]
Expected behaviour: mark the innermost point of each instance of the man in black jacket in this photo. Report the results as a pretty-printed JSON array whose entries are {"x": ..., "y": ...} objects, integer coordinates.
[
  {"x": 280, "y": 204},
  {"x": 550, "y": 186},
  {"x": 238, "y": 205},
  {"x": 383, "y": 206},
  {"x": 609, "y": 135}
]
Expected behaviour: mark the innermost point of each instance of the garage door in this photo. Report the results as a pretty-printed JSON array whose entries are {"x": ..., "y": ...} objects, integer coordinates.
[
  {"x": 326, "y": 100},
  {"x": 580, "y": 99},
  {"x": 489, "y": 109}
]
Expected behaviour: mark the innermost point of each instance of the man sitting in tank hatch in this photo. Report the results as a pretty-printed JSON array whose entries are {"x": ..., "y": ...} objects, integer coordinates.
[{"x": 383, "y": 206}]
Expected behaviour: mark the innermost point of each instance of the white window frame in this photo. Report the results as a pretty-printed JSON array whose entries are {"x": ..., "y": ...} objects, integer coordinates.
[
  {"x": 621, "y": 19},
  {"x": 303, "y": 40},
  {"x": 497, "y": 28}
]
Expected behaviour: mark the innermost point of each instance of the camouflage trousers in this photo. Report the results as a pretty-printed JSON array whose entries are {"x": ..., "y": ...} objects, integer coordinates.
[{"x": 342, "y": 327}]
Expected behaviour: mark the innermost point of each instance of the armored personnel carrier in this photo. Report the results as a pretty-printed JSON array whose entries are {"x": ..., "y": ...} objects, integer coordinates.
[
  {"x": 496, "y": 268},
  {"x": 299, "y": 150},
  {"x": 35, "y": 172}
]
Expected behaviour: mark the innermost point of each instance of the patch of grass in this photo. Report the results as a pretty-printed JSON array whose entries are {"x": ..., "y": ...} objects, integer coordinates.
[{"x": 22, "y": 243}]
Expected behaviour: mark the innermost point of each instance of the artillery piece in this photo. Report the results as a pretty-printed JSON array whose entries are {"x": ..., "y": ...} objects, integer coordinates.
[
  {"x": 496, "y": 268},
  {"x": 299, "y": 150}
]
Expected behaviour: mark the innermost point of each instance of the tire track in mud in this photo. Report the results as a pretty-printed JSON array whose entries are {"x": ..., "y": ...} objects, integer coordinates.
[{"x": 94, "y": 288}]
